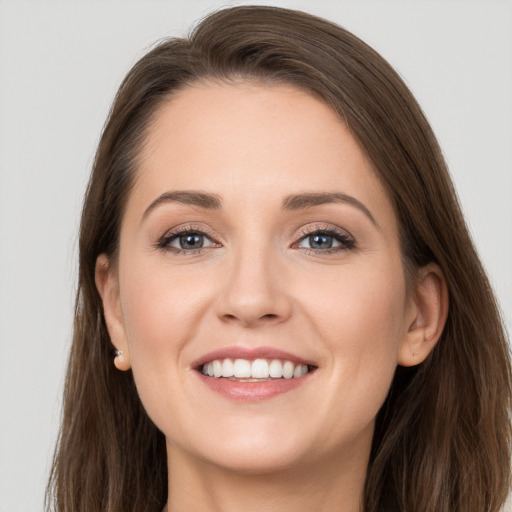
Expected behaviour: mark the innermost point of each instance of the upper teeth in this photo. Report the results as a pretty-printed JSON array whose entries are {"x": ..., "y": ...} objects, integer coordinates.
[{"x": 257, "y": 369}]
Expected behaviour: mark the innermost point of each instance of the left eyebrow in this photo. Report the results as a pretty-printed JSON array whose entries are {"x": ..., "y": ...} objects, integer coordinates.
[{"x": 310, "y": 199}]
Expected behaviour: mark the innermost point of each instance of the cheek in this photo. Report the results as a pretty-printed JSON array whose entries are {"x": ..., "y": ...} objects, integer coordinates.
[
  {"x": 358, "y": 308},
  {"x": 164, "y": 310},
  {"x": 372, "y": 326},
  {"x": 359, "y": 315},
  {"x": 160, "y": 311}
]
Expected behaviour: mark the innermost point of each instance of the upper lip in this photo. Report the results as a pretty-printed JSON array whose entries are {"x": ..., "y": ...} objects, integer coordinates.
[{"x": 251, "y": 353}]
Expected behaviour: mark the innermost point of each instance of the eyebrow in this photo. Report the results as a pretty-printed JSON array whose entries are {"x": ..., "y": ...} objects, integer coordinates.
[
  {"x": 190, "y": 197},
  {"x": 290, "y": 203},
  {"x": 310, "y": 199}
]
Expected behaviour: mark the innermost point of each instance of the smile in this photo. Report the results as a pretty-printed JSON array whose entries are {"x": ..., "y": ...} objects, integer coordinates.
[
  {"x": 252, "y": 374},
  {"x": 244, "y": 370}
]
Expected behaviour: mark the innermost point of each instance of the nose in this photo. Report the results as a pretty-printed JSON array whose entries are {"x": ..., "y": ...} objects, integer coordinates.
[{"x": 254, "y": 291}]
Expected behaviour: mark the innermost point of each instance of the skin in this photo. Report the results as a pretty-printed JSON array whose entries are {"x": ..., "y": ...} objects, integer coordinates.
[{"x": 258, "y": 283}]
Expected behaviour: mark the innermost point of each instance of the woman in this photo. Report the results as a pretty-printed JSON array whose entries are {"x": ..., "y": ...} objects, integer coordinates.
[{"x": 279, "y": 304}]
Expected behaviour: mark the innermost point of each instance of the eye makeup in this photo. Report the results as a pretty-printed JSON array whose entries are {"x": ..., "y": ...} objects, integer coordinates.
[{"x": 316, "y": 239}]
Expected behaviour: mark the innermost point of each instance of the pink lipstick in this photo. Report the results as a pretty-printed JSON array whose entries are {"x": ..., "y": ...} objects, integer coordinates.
[{"x": 252, "y": 374}]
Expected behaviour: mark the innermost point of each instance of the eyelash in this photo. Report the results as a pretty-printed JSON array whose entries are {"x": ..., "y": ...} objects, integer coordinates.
[
  {"x": 164, "y": 242},
  {"x": 346, "y": 241}
]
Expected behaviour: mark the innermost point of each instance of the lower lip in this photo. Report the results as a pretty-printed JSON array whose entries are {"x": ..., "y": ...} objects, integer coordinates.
[{"x": 251, "y": 391}]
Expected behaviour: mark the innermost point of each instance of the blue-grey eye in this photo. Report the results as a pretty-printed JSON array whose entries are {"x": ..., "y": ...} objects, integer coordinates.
[
  {"x": 325, "y": 240},
  {"x": 320, "y": 241},
  {"x": 187, "y": 241},
  {"x": 191, "y": 241}
]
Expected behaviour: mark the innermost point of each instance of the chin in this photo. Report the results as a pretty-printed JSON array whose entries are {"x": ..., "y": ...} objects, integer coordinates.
[
  {"x": 257, "y": 461},
  {"x": 251, "y": 451}
]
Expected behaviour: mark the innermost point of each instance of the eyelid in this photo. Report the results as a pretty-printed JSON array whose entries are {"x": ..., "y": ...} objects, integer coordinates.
[{"x": 324, "y": 228}]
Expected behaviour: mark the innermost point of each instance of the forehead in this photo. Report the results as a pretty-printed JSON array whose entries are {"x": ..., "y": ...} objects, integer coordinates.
[{"x": 250, "y": 142}]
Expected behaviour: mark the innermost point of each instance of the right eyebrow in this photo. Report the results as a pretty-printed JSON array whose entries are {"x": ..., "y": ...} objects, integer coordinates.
[{"x": 191, "y": 197}]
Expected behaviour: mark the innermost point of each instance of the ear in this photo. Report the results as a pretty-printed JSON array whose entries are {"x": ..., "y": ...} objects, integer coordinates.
[
  {"x": 108, "y": 287},
  {"x": 426, "y": 316}
]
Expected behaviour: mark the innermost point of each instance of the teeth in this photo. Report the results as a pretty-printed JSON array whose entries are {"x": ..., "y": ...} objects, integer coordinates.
[
  {"x": 227, "y": 368},
  {"x": 217, "y": 368},
  {"x": 242, "y": 368},
  {"x": 257, "y": 369},
  {"x": 276, "y": 369},
  {"x": 288, "y": 370}
]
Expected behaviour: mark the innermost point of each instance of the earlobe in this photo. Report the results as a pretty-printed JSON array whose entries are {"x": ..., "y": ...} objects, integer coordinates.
[
  {"x": 108, "y": 288},
  {"x": 428, "y": 316}
]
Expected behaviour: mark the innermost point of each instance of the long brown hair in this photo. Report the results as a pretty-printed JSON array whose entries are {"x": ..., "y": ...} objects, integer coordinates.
[{"x": 442, "y": 438}]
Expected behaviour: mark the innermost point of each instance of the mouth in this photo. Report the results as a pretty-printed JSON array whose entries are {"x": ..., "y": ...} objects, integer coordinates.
[
  {"x": 243, "y": 374},
  {"x": 258, "y": 370}
]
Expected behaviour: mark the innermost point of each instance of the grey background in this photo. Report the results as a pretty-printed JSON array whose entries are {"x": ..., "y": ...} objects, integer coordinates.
[{"x": 60, "y": 65}]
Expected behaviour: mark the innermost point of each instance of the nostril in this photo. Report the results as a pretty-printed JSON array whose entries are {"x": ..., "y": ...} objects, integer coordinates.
[
  {"x": 228, "y": 317},
  {"x": 248, "y": 320}
]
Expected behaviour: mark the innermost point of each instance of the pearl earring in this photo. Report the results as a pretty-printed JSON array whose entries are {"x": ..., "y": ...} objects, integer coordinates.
[{"x": 121, "y": 362}]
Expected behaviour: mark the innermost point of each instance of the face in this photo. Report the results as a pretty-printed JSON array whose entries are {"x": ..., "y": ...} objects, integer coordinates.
[{"x": 259, "y": 296}]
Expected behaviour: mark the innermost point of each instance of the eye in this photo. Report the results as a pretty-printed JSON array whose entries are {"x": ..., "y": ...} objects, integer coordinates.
[
  {"x": 186, "y": 241},
  {"x": 189, "y": 241},
  {"x": 319, "y": 241},
  {"x": 326, "y": 240}
]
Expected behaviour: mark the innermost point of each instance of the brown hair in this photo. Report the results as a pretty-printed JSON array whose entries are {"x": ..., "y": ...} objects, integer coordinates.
[{"x": 442, "y": 439}]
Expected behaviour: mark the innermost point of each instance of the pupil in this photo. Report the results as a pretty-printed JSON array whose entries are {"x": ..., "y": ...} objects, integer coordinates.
[
  {"x": 320, "y": 241},
  {"x": 191, "y": 241}
]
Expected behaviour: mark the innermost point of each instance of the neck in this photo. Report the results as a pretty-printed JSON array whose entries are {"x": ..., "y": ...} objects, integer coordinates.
[{"x": 198, "y": 486}]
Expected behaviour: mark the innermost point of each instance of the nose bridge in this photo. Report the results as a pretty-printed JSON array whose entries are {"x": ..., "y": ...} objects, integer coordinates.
[{"x": 254, "y": 289}]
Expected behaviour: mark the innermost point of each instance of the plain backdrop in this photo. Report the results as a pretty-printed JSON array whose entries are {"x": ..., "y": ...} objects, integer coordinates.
[{"x": 60, "y": 65}]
